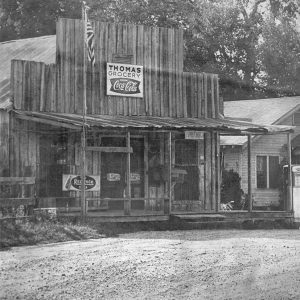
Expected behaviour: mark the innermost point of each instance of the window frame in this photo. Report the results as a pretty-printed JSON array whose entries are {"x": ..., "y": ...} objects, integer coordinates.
[{"x": 268, "y": 170}]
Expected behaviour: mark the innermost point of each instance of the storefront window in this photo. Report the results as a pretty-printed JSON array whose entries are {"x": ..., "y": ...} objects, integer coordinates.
[{"x": 53, "y": 164}]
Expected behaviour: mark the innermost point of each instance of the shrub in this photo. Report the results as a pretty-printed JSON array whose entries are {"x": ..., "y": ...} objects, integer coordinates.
[{"x": 231, "y": 191}]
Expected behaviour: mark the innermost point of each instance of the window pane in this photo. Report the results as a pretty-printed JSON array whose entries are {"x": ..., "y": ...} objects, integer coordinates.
[
  {"x": 261, "y": 171},
  {"x": 273, "y": 172},
  {"x": 185, "y": 152}
]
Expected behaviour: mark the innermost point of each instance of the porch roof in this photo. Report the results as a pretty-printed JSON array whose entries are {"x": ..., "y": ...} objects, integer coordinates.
[{"x": 75, "y": 121}]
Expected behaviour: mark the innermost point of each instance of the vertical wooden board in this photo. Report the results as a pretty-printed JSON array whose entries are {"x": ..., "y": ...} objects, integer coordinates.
[
  {"x": 32, "y": 145},
  {"x": 73, "y": 62},
  {"x": 25, "y": 86},
  {"x": 147, "y": 62},
  {"x": 216, "y": 93},
  {"x": 17, "y": 68},
  {"x": 62, "y": 56},
  {"x": 171, "y": 71},
  {"x": 213, "y": 108},
  {"x": 102, "y": 66},
  {"x": 184, "y": 100},
  {"x": 209, "y": 102},
  {"x": 205, "y": 95},
  {"x": 155, "y": 91},
  {"x": 4, "y": 145},
  {"x": 125, "y": 49},
  {"x": 199, "y": 88},
  {"x": 43, "y": 89},
  {"x": 67, "y": 67},
  {"x": 54, "y": 87},
  {"x": 17, "y": 92},
  {"x": 189, "y": 95},
  {"x": 193, "y": 92},
  {"x": 112, "y": 105},
  {"x": 142, "y": 105},
  {"x": 78, "y": 81},
  {"x": 33, "y": 85},
  {"x": 180, "y": 50}
]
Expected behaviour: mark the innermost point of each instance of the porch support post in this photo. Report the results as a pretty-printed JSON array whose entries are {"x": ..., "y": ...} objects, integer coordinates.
[
  {"x": 249, "y": 173},
  {"x": 170, "y": 170},
  {"x": 289, "y": 205},
  {"x": 82, "y": 175},
  {"x": 219, "y": 179},
  {"x": 127, "y": 203}
]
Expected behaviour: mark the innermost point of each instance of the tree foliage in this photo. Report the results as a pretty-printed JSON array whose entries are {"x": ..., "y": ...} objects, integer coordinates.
[{"x": 252, "y": 44}]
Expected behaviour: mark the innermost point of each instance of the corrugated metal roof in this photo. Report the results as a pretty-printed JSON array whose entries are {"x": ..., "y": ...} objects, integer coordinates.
[
  {"x": 150, "y": 122},
  {"x": 40, "y": 49},
  {"x": 261, "y": 111}
]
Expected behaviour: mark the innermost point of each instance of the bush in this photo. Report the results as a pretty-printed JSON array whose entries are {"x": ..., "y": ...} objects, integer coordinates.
[{"x": 231, "y": 191}]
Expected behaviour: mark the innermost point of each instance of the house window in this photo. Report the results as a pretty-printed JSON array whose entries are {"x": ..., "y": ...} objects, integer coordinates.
[
  {"x": 267, "y": 171},
  {"x": 296, "y": 119}
]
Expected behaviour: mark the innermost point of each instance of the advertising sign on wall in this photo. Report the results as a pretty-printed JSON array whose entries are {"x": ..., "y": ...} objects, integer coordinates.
[
  {"x": 124, "y": 80},
  {"x": 194, "y": 135},
  {"x": 73, "y": 182}
]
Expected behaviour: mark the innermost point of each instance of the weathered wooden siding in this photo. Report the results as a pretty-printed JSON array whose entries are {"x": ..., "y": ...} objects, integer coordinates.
[
  {"x": 168, "y": 91},
  {"x": 35, "y": 87},
  {"x": 4, "y": 143},
  {"x": 24, "y": 146}
]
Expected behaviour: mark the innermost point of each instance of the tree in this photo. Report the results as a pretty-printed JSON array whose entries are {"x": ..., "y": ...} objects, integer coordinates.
[
  {"x": 252, "y": 44},
  {"x": 30, "y": 18}
]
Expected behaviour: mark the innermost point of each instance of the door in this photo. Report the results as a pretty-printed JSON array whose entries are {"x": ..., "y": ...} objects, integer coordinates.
[{"x": 113, "y": 173}]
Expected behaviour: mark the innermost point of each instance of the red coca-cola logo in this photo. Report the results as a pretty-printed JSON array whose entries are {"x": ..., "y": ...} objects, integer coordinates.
[{"x": 125, "y": 86}]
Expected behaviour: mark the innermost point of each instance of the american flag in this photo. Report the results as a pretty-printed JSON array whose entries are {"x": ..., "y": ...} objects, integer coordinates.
[{"x": 89, "y": 35}]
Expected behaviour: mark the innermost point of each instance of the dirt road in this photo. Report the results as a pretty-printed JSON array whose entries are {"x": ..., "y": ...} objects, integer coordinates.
[{"x": 227, "y": 264}]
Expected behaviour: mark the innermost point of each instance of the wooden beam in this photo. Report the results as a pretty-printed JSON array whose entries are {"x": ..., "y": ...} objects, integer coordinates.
[
  {"x": 219, "y": 179},
  {"x": 249, "y": 174},
  {"x": 289, "y": 204},
  {"x": 110, "y": 149},
  {"x": 7, "y": 202},
  {"x": 127, "y": 203},
  {"x": 170, "y": 170},
  {"x": 48, "y": 122},
  {"x": 15, "y": 180},
  {"x": 146, "y": 169}
]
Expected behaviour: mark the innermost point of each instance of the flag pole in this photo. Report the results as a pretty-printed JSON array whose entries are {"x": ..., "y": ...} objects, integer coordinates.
[{"x": 83, "y": 135}]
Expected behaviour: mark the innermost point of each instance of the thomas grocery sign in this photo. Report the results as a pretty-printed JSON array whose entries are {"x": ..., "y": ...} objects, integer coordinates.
[
  {"x": 124, "y": 80},
  {"x": 73, "y": 183}
]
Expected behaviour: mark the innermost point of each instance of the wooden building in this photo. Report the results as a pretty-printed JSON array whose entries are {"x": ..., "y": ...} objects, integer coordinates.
[{"x": 151, "y": 130}]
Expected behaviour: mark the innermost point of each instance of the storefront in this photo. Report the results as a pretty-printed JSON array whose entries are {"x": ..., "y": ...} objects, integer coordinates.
[{"x": 148, "y": 140}]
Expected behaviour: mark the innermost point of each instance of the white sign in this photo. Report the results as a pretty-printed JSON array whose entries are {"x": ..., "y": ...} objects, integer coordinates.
[
  {"x": 113, "y": 177},
  {"x": 194, "y": 135},
  {"x": 135, "y": 177},
  {"x": 73, "y": 182},
  {"x": 124, "y": 80}
]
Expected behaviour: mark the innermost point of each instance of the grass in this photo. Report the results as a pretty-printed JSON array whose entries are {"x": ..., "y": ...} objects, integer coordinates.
[
  {"x": 42, "y": 231},
  {"x": 31, "y": 232},
  {"x": 34, "y": 231}
]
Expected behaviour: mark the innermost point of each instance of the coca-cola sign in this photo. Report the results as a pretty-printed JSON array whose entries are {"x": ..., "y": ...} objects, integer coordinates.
[{"x": 124, "y": 80}]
